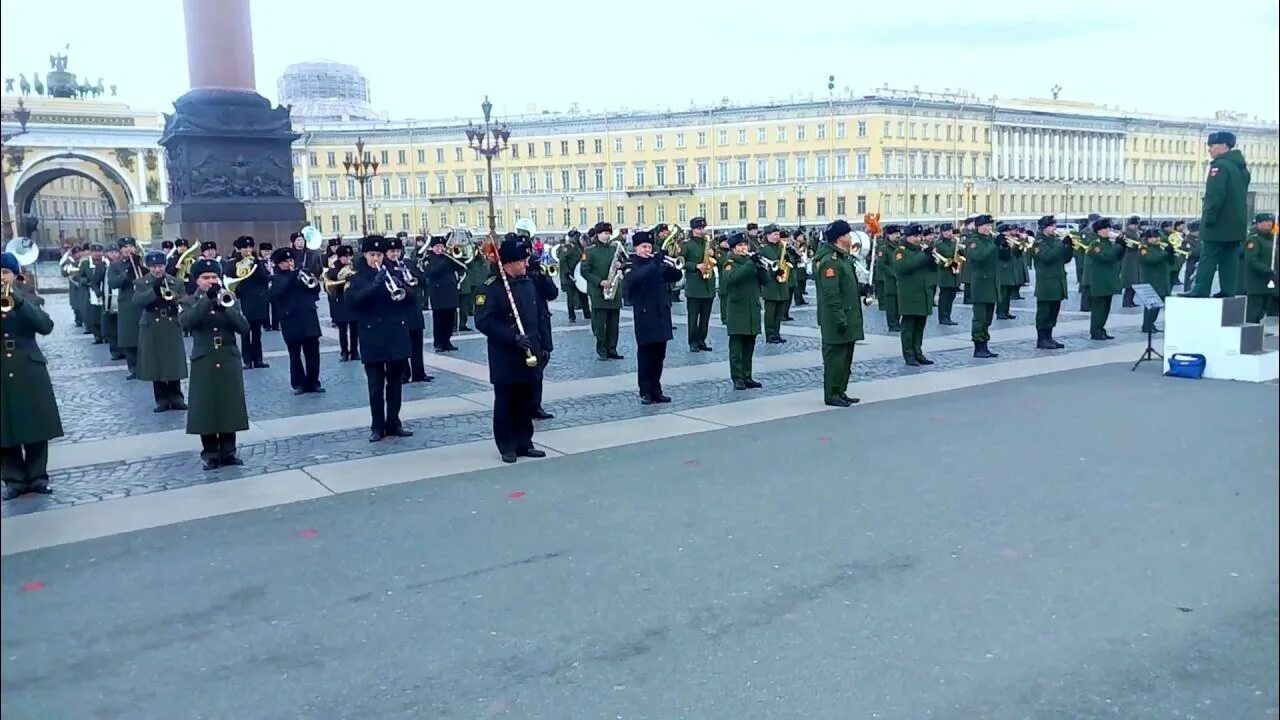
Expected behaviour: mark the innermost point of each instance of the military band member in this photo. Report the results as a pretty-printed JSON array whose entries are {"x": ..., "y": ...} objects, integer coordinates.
[
  {"x": 1129, "y": 265},
  {"x": 253, "y": 293},
  {"x": 605, "y": 312},
  {"x": 340, "y": 311},
  {"x": 1050, "y": 255},
  {"x": 1191, "y": 245},
  {"x": 296, "y": 294},
  {"x": 1006, "y": 272},
  {"x": 514, "y": 380},
  {"x": 801, "y": 271},
  {"x": 309, "y": 260},
  {"x": 162, "y": 358},
  {"x": 87, "y": 277},
  {"x": 885, "y": 250},
  {"x": 948, "y": 274},
  {"x": 110, "y": 301},
  {"x": 984, "y": 253},
  {"x": 1021, "y": 262},
  {"x": 217, "y": 406},
  {"x": 180, "y": 246},
  {"x": 724, "y": 251},
  {"x": 839, "y": 312},
  {"x": 699, "y": 284},
  {"x": 1155, "y": 258},
  {"x": 1259, "y": 270},
  {"x": 913, "y": 265},
  {"x": 546, "y": 292},
  {"x": 647, "y": 282},
  {"x": 965, "y": 279},
  {"x": 415, "y": 369},
  {"x": 384, "y": 337},
  {"x": 264, "y": 258},
  {"x": 29, "y": 416},
  {"x": 776, "y": 293},
  {"x": 570, "y": 255},
  {"x": 208, "y": 251},
  {"x": 121, "y": 277},
  {"x": 1103, "y": 269},
  {"x": 76, "y": 292},
  {"x": 477, "y": 272},
  {"x": 444, "y": 275},
  {"x": 742, "y": 277}
]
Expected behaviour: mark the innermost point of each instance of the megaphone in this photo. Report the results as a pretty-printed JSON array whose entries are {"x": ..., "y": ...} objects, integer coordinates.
[
  {"x": 24, "y": 249},
  {"x": 312, "y": 237}
]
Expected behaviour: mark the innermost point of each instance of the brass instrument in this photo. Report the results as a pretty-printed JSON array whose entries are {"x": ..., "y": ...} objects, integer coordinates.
[
  {"x": 1132, "y": 244},
  {"x": 460, "y": 246},
  {"x": 68, "y": 265},
  {"x": 343, "y": 279},
  {"x": 226, "y": 298},
  {"x": 674, "y": 242},
  {"x": 783, "y": 273},
  {"x": 1078, "y": 243},
  {"x": 7, "y": 303},
  {"x": 244, "y": 269},
  {"x": 394, "y": 289},
  {"x": 708, "y": 256},
  {"x": 186, "y": 260},
  {"x": 1174, "y": 243},
  {"x": 553, "y": 269},
  {"x": 674, "y": 261},
  {"x": 166, "y": 292},
  {"x": 613, "y": 283},
  {"x": 308, "y": 280}
]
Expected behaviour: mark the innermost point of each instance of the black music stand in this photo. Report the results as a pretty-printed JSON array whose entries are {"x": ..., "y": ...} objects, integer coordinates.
[{"x": 1147, "y": 300}]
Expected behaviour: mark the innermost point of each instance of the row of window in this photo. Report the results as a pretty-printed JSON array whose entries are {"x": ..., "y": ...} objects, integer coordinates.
[{"x": 50, "y": 208}]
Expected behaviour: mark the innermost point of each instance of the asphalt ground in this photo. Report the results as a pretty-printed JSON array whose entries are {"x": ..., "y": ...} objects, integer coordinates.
[{"x": 1089, "y": 544}]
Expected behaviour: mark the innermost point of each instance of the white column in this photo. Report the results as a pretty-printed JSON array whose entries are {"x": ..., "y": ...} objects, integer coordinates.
[
  {"x": 306, "y": 177},
  {"x": 164, "y": 176},
  {"x": 140, "y": 166},
  {"x": 1119, "y": 168}
]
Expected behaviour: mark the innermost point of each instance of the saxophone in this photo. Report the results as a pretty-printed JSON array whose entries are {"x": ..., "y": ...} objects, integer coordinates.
[
  {"x": 783, "y": 273},
  {"x": 708, "y": 256},
  {"x": 613, "y": 283}
]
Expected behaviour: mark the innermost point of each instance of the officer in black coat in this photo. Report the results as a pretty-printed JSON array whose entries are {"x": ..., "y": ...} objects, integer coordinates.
[
  {"x": 376, "y": 294},
  {"x": 647, "y": 286},
  {"x": 416, "y": 371},
  {"x": 340, "y": 312},
  {"x": 265, "y": 251},
  {"x": 253, "y": 294},
  {"x": 304, "y": 259},
  {"x": 442, "y": 275},
  {"x": 547, "y": 291},
  {"x": 295, "y": 293},
  {"x": 171, "y": 258},
  {"x": 513, "y": 355}
]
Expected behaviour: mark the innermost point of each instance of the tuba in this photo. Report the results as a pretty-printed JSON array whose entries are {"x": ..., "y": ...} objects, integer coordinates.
[{"x": 312, "y": 237}]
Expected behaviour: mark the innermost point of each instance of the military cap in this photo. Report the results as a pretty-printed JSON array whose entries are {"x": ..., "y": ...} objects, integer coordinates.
[
  {"x": 394, "y": 243},
  {"x": 281, "y": 254},
  {"x": 344, "y": 251},
  {"x": 657, "y": 229},
  {"x": 1101, "y": 224},
  {"x": 945, "y": 227},
  {"x": 155, "y": 257},
  {"x": 1094, "y": 216},
  {"x": 402, "y": 235},
  {"x": 738, "y": 238},
  {"x": 1222, "y": 137},
  {"x": 9, "y": 261},
  {"x": 1166, "y": 224},
  {"x": 294, "y": 236},
  {"x": 166, "y": 245},
  {"x": 182, "y": 242},
  {"x": 642, "y": 237},
  {"x": 95, "y": 247},
  {"x": 1003, "y": 227},
  {"x": 970, "y": 220},
  {"x": 913, "y": 230},
  {"x": 1178, "y": 223},
  {"x": 373, "y": 243},
  {"x": 698, "y": 222},
  {"x": 1264, "y": 217},
  {"x": 126, "y": 241},
  {"x": 753, "y": 226},
  {"x": 437, "y": 240},
  {"x": 1046, "y": 221},
  {"x": 335, "y": 241},
  {"x": 205, "y": 265},
  {"x": 602, "y": 228},
  {"x": 837, "y": 229},
  {"x": 513, "y": 249},
  {"x": 1151, "y": 233},
  {"x": 574, "y": 233},
  {"x": 244, "y": 241},
  {"x": 264, "y": 246},
  {"x": 983, "y": 220},
  {"x": 1133, "y": 220},
  {"x": 797, "y": 233},
  {"x": 770, "y": 229},
  {"x": 208, "y": 245}
]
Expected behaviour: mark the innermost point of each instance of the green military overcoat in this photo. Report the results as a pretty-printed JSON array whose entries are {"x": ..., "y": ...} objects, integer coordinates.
[
  {"x": 1050, "y": 257},
  {"x": 1257, "y": 264},
  {"x": 595, "y": 269},
  {"x": 1224, "y": 217},
  {"x": 773, "y": 290},
  {"x": 983, "y": 264},
  {"x": 693, "y": 253},
  {"x": 1129, "y": 266},
  {"x": 839, "y": 302},
  {"x": 161, "y": 354},
  {"x": 1103, "y": 267},
  {"x": 216, "y": 395},
  {"x": 120, "y": 277},
  {"x": 912, "y": 268},
  {"x": 28, "y": 409},
  {"x": 946, "y": 278},
  {"x": 742, "y": 279},
  {"x": 1155, "y": 263}
]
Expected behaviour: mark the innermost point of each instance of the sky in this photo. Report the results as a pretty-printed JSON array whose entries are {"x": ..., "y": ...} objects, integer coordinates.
[{"x": 439, "y": 60}]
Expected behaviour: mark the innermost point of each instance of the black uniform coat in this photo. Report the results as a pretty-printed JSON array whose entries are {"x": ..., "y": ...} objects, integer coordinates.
[
  {"x": 384, "y": 331},
  {"x": 297, "y": 306},
  {"x": 340, "y": 310},
  {"x": 252, "y": 292},
  {"x": 308, "y": 260},
  {"x": 162, "y": 357},
  {"x": 415, "y": 296},
  {"x": 28, "y": 409},
  {"x": 547, "y": 291},
  {"x": 494, "y": 318},
  {"x": 650, "y": 300},
  {"x": 120, "y": 277},
  {"x": 442, "y": 278},
  {"x": 216, "y": 394}
]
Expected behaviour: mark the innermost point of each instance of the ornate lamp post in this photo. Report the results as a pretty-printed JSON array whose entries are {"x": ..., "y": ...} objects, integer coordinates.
[
  {"x": 489, "y": 140},
  {"x": 968, "y": 197},
  {"x": 361, "y": 170},
  {"x": 800, "y": 189},
  {"x": 22, "y": 115},
  {"x": 568, "y": 211}
]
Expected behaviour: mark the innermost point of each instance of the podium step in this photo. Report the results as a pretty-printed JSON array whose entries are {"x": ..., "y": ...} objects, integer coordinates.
[{"x": 1215, "y": 328}]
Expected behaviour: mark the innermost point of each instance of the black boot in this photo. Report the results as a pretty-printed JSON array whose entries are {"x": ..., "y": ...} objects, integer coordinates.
[
  {"x": 1043, "y": 342},
  {"x": 980, "y": 351},
  {"x": 1056, "y": 345}
]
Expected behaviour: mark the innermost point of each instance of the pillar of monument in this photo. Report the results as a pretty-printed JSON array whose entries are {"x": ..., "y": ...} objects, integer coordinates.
[
  {"x": 219, "y": 44},
  {"x": 228, "y": 152}
]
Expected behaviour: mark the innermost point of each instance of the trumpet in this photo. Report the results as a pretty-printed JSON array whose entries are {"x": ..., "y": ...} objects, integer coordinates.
[
  {"x": 552, "y": 269},
  {"x": 308, "y": 280},
  {"x": 7, "y": 303},
  {"x": 1132, "y": 244},
  {"x": 1077, "y": 243},
  {"x": 675, "y": 262},
  {"x": 226, "y": 298},
  {"x": 394, "y": 289},
  {"x": 166, "y": 292}
]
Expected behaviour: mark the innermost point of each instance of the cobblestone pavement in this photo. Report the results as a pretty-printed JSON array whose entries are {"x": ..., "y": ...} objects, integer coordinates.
[{"x": 105, "y": 481}]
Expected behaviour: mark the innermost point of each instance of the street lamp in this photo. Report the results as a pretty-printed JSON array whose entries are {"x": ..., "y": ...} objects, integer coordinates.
[
  {"x": 799, "y": 189},
  {"x": 22, "y": 115},
  {"x": 968, "y": 197},
  {"x": 1067, "y": 187},
  {"x": 374, "y": 207},
  {"x": 489, "y": 140},
  {"x": 361, "y": 170},
  {"x": 568, "y": 199}
]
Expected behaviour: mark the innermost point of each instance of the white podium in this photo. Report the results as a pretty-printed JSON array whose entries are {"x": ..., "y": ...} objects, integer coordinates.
[{"x": 1215, "y": 328}]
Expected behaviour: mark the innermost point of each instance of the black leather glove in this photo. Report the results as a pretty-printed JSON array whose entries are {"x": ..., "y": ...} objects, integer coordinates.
[
  {"x": 212, "y": 292},
  {"x": 524, "y": 342},
  {"x": 866, "y": 290},
  {"x": 1066, "y": 243},
  {"x": 1002, "y": 243}
]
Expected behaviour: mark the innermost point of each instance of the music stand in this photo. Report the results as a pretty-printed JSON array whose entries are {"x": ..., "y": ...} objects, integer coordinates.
[{"x": 1147, "y": 299}]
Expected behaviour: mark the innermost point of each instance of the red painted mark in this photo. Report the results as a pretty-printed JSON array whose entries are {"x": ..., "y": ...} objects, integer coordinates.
[
  {"x": 824, "y": 438},
  {"x": 516, "y": 495},
  {"x": 32, "y": 586},
  {"x": 692, "y": 462},
  {"x": 307, "y": 533}
]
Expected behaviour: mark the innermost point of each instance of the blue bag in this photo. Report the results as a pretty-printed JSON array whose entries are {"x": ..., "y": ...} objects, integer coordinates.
[{"x": 1186, "y": 365}]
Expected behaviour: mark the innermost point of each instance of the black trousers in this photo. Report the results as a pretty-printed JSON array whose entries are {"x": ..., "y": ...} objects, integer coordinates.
[
  {"x": 649, "y": 360},
  {"x": 167, "y": 392},
  {"x": 304, "y": 363},
  {"x": 699, "y": 310},
  {"x": 251, "y": 342},
  {"x": 442, "y": 327},
  {"x": 417, "y": 366},
  {"x": 543, "y": 360},
  {"x": 386, "y": 382},
  {"x": 273, "y": 316},
  {"x": 218, "y": 446},
  {"x": 513, "y": 408},
  {"x": 25, "y": 465},
  {"x": 131, "y": 359},
  {"x": 349, "y": 338}
]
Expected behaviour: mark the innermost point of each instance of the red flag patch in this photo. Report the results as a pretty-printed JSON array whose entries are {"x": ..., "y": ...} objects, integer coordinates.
[
  {"x": 973, "y": 246},
  {"x": 1213, "y": 172},
  {"x": 1248, "y": 246},
  {"x": 831, "y": 272},
  {"x": 1097, "y": 249}
]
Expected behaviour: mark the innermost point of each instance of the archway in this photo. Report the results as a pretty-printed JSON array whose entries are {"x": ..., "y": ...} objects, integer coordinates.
[
  {"x": 42, "y": 170},
  {"x": 69, "y": 207}
]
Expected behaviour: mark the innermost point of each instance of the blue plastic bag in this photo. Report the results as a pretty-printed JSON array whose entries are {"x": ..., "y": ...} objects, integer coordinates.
[{"x": 1186, "y": 365}]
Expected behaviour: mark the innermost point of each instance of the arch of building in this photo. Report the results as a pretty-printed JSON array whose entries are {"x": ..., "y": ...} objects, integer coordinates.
[{"x": 43, "y": 168}]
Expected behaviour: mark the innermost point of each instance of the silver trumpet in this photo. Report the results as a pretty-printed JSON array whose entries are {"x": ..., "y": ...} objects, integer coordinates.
[
  {"x": 308, "y": 280},
  {"x": 226, "y": 298},
  {"x": 764, "y": 262},
  {"x": 394, "y": 289},
  {"x": 675, "y": 262}
]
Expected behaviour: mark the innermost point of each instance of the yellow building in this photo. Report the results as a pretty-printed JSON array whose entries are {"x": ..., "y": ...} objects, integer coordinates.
[
  {"x": 908, "y": 155},
  {"x": 72, "y": 210}
]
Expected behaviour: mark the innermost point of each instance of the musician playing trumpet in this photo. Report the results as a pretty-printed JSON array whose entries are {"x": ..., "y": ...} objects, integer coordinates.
[
  {"x": 777, "y": 292},
  {"x": 913, "y": 266},
  {"x": 647, "y": 284},
  {"x": 120, "y": 279},
  {"x": 743, "y": 274},
  {"x": 1007, "y": 272},
  {"x": 162, "y": 358},
  {"x": 412, "y": 308},
  {"x": 443, "y": 274},
  {"x": 376, "y": 295},
  {"x": 602, "y": 266},
  {"x": 337, "y": 279},
  {"x": 951, "y": 259},
  {"x": 295, "y": 293},
  {"x": 251, "y": 289},
  {"x": 217, "y": 406},
  {"x": 1050, "y": 255}
]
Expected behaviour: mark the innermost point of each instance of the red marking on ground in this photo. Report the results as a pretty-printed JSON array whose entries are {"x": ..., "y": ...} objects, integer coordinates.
[
  {"x": 307, "y": 533},
  {"x": 32, "y": 586},
  {"x": 824, "y": 438},
  {"x": 516, "y": 495},
  {"x": 692, "y": 462}
]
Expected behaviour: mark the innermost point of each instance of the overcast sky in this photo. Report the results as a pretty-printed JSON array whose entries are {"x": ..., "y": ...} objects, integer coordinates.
[{"x": 431, "y": 59}]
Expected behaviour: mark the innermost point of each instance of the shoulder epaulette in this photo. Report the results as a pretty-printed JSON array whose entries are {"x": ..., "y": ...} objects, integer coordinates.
[{"x": 489, "y": 280}]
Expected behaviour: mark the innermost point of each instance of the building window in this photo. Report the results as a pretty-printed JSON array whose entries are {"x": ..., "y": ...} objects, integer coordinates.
[
  {"x": 782, "y": 133},
  {"x": 781, "y": 174},
  {"x": 841, "y": 130},
  {"x": 822, "y": 207},
  {"x": 546, "y": 148},
  {"x": 722, "y": 137},
  {"x": 722, "y": 172},
  {"x": 842, "y": 167},
  {"x": 515, "y": 182},
  {"x": 548, "y": 182},
  {"x": 599, "y": 214},
  {"x": 564, "y": 179},
  {"x": 333, "y": 188},
  {"x": 822, "y": 131},
  {"x": 617, "y": 144},
  {"x": 702, "y": 210},
  {"x": 618, "y": 179},
  {"x": 800, "y": 207},
  {"x": 680, "y": 174},
  {"x": 333, "y": 223},
  {"x": 681, "y": 213},
  {"x": 702, "y": 138},
  {"x": 351, "y": 223},
  {"x": 662, "y": 212},
  {"x": 386, "y": 221},
  {"x": 679, "y": 140},
  {"x": 822, "y": 167},
  {"x": 862, "y": 205},
  {"x": 457, "y": 154},
  {"x": 529, "y": 149},
  {"x": 762, "y": 170},
  {"x": 840, "y": 207},
  {"x": 742, "y": 209},
  {"x": 567, "y": 217},
  {"x": 400, "y": 158},
  {"x": 597, "y": 145},
  {"x": 800, "y": 132},
  {"x": 582, "y": 216},
  {"x": 658, "y": 143},
  {"x": 782, "y": 208},
  {"x": 640, "y": 215},
  {"x": 762, "y": 209},
  {"x": 742, "y": 172},
  {"x": 660, "y": 175},
  {"x": 802, "y": 167},
  {"x": 639, "y": 176},
  {"x": 724, "y": 212},
  {"x": 404, "y": 221},
  {"x": 582, "y": 148},
  {"x": 702, "y": 173},
  {"x": 599, "y": 178},
  {"x": 742, "y": 136},
  {"x": 620, "y": 215},
  {"x": 404, "y": 186},
  {"x": 762, "y": 135}
]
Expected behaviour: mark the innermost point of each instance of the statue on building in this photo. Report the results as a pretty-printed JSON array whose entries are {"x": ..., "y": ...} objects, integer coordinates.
[
  {"x": 39, "y": 85},
  {"x": 8, "y": 85},
  {"x": 62, "y": 84},
  {"x": 23, "y": 85},
  {"x": 59, "y": 62},
  {"x": 113, "y": 91}
]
